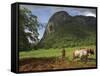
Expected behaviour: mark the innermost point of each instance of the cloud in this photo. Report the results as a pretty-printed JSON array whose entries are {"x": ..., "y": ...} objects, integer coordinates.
[
  {"x": 87, "y": 12},
  {"x": 92, "y": 10},
  {"x": 90, "y": 14}
]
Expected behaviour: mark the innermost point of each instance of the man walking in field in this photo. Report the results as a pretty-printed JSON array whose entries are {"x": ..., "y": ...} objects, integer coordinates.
[{"x": 63, "y": 53}]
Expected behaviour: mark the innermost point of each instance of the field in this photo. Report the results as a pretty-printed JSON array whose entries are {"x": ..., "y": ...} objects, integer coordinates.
[{"x": 51, "y": 59}]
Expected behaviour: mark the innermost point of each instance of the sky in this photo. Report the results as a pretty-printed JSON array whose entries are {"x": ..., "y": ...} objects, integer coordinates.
[{"x": 45, "y": 12}]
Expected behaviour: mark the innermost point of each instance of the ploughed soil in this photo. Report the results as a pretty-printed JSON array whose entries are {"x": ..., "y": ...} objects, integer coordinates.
[{"x": 45, "y": 64}]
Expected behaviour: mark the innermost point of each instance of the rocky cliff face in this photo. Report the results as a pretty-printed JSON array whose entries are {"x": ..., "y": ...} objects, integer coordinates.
[{"x": 64, "y": 30}]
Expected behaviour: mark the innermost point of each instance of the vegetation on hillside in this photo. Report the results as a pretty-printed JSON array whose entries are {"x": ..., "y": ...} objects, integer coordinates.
[
  {"x": 28, "y": 26},
  {"x": 64, "y": 30}
]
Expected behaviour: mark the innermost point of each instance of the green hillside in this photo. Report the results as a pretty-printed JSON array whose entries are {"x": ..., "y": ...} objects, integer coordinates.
[{"x": 64, "y": 30}]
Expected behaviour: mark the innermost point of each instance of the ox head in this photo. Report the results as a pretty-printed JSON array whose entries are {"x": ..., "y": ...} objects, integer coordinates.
[{"x": 91, "y": 51}]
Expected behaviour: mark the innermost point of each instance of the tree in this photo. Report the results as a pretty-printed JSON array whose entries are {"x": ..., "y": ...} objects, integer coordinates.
[{"x": 28, "y": 29}]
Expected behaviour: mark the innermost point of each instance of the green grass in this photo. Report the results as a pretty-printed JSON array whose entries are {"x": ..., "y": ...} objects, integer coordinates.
[
  {"x": 40, "y": 53},
  {"x": 50, "y": 52}
]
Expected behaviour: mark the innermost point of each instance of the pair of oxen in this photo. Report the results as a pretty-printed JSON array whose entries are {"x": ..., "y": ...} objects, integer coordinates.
[{"x": 83, "y": 54}]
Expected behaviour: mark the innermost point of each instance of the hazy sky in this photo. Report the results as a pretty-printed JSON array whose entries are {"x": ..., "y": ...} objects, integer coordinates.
[{"x": 45, "y": 12}]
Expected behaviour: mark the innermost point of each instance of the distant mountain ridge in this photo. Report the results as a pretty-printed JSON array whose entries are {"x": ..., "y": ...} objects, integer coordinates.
[{"x": 64, "y": 30}]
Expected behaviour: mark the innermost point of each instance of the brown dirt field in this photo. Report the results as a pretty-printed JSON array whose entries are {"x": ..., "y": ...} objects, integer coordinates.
[{"x": 42, "y": 64}]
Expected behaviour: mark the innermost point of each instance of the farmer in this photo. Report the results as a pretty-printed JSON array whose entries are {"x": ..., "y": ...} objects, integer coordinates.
[{"x": 63, "y": 53}]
